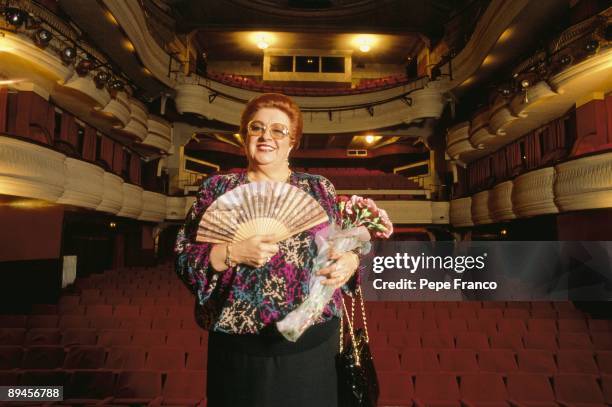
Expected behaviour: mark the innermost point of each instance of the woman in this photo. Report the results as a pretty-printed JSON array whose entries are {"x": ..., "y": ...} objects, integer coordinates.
[{"x": 244, "y": 288}]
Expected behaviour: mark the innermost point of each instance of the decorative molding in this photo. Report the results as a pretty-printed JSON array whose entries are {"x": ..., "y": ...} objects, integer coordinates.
[
  {"x": 86, "y": 86},
  {"x": 461, "y": 212},
  {"x": 533, "y": 193},
  {"x": 175, "y": 207},
  {"x": 130, "y": 17},
  {"x": 118, "y": 108},
  {"x": 159, "y": 134},
  {"x": 427, "y": 102},
  {"x": 458, "y": 140},
  {"x": 137, "y": 124},
  {"x": 112, "y": 198},
  {"x": 84, "y": 184},
  {"x": 154, "y": 207},
  {"x": 31, "y": 171},
  {"x": 584, "y": 183},
  {"x": 500, "y": 202},
  {"x": 480, "y": 208},
  {"x": 132, "y": 201}
]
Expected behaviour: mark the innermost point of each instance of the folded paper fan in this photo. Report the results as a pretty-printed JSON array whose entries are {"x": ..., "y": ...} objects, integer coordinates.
[{"x": 260, "y": 208}]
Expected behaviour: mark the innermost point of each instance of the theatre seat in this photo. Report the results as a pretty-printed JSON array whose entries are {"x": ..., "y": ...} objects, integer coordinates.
[
  {"x": 396, "y": 389},
  {"x": 574, "y": 390},
  {"x": 536, "y": 361},
  {"x": 125, "y": 358},
  {"x": 75, "y": 337},
  {"x": 10, "y": 357},
  {"x": 89, "y": 387},
  {"x": 577, "y": 361},
  {"x": 12, "y": 336},
  {"x": 184, "y": 388},
  {"x": 138, "y": 387},
  {"x": 85, "y": 357},
  {"x": 164, "y": 359},
  {"x": 483, "y": 389},
  {"x": 436, "y": 389},
  {"x": 419, "y": 361},
  {"x": 43, "y": 357},
  {"x": 458, "y": 361},
  {"x": 497, "y": 361},
  {"x": 530, "y": 390}
]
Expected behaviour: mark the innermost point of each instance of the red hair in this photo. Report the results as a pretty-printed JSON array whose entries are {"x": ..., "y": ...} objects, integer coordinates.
[{"x": 275, "y": 101}]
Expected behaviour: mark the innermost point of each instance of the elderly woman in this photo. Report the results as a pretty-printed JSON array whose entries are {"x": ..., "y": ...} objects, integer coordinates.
[{"x": 244, "y": 288}]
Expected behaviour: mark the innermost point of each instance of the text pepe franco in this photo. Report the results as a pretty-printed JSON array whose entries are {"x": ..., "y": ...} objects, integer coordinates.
[{"x": 413, "y": 264}]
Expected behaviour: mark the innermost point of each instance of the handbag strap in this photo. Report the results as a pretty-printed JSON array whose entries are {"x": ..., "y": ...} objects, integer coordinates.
[{"x": 351, "y": 333}]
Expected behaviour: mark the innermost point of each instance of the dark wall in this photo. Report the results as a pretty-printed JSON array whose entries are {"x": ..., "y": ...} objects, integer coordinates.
[{"x": 31, "y": 230}]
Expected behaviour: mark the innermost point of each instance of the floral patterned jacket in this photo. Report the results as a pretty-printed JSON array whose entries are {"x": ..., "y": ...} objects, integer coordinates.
[{"x": 243, "y": 299}]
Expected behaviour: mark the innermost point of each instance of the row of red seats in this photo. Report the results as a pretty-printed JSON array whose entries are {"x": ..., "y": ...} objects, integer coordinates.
[
  {"x": 102, "y": 387},
  {"x": 494, "y": 360},
  {"x": 123, "y": 336},
  {"x": 126, "y": 357},
  {"x": 502, "y": 340},
  {"x": 365, "y": 85},
  {"x": 490, "y": 389},
  {"x": 123, "y": 333}
]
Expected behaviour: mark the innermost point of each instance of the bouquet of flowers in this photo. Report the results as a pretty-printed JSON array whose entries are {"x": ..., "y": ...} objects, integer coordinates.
[{"x": 361, "y": 220}]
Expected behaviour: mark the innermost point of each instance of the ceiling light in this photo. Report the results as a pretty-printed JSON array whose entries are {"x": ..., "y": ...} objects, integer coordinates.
[
  {"x": 364, "y": 42},
  {"x": 127, "y": 44},
  {"x": 84, "y": 66},
  {"x": 525, "y": 83},
  {"x": 369, "y": 139},
  {"x": 116, "y": 85},
  {"x": 68, "y": 55},
  {"x": 14, "y": 16},
  {"x": 42, "y": 38},
  {"x": 262, "y": 44},
  {"x": 365, "y": 48},
  {"x": 101, "y": 78}
]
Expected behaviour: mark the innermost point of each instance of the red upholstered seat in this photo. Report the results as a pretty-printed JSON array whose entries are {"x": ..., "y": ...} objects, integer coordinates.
[
  {"x": 577, "y": 361},
  {"x": 89, "y": 387},
  {"x": 600, "y": 325},
  {"x": 488, "y": 326},
  {"x": 536, "y": 361},
  {"x": 13, "y": 321},
  {"x": 126, "y": 311},
  {"x": 10, "y": 357},
  {"x": 437, "y": 340},
  {"x": 437, "y": 389},
  {"x": 540, "y": 340},
  {"x": 73, "y": 321},
  {"x": 125, "y": 358},
  {"x": 184, "y": 388},
  {"x": 572, "y": 325},
  {"x": 137, "y": 387},
  {"x": 530, "y": 389},
  {"x": 164, "y": 359},
  {"x": 43, "y": 357},
  {"x": 472, "y": 340},
  {"x": 396, "y": 389},
  {"x": 606, "y": 387},
  {"x": 483, "y": 389},
  {"x": 12, "y": 336},
  {"x": 196, "y": 359},
  {"x": 72, "y": 337},
  {"x": 42, "y": 321},
  {"x": 114, "y": 337},
  {"x": 604, "y": 361},
  {"x": 43, "y": 377},
  {"x": 148, "y": 337},
  {"x": 497, "y": 361},
  {"x": 458, "y": 360},
  {"x": 386, "y": 359},
  {"x": 42, "y": 336},
  {"x": 506, "y": 341},
  {"x": 575, "y": 389},
  {"x": 85, "y": 357},
  {"x": 9, "y": 377},
  {"x": 419, "y": 361},
  {"x": 183, "y": 338},
  {"x": 404, "y": 340},
  {"x": 575, "y": 340},
  {"x": 542, "y": 325}
]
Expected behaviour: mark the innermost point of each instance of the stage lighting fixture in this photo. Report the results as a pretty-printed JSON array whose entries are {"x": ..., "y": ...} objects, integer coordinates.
[
  {"x": 504, "y": 91},
  {"x": 42, "y": 38},
  {"x": 566, "y": 59},
  {"x": 116, "y": 85},
  {"x": 68, "y": 55},
  {"x": 101, "y": 78},
  {"x": 591, "y": 46},
  {"x": 84, "y": 66},
  {"x": 525, "y": 83},
  {"x": 369, "y": 139},
  {"x": 14, "y": 16}
]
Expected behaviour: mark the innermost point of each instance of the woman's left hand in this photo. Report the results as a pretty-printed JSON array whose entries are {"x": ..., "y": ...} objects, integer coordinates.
[{"x": 341, "y": 270}]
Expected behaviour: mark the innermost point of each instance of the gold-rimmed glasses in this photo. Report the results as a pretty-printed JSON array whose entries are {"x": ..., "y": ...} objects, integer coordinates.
[{"x": 278, "y": 131}]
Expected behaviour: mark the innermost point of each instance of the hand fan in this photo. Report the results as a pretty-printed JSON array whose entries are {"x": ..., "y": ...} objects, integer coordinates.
[{"x": 260, "y": 208}]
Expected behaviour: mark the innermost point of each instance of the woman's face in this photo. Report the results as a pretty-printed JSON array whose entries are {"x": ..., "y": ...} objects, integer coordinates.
[{"x": 265, "y": 149}]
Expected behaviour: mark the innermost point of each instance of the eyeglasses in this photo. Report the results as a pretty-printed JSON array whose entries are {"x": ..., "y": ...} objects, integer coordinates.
[{"x": 278, "y": 131}]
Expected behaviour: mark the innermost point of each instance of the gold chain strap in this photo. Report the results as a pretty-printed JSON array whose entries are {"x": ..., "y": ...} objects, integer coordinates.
[
  {"x": 352, "y": 333},
  {"x": 363, "y": 314}
]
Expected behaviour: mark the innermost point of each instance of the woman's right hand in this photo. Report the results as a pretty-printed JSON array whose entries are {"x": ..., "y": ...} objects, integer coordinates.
[{"x": 255, "y": 251}]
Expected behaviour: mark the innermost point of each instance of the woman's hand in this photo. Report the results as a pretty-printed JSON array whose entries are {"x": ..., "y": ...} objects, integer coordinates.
[
  {"x": 341, "y": 270},
  {"x": 254, "y": 252}
]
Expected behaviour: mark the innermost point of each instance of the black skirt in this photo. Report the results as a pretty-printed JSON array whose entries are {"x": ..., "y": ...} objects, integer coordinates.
[{"x": 266, "y": 370}]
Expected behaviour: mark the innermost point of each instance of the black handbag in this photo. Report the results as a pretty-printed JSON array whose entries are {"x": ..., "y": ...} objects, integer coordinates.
[{"x": 357, "y": 380}]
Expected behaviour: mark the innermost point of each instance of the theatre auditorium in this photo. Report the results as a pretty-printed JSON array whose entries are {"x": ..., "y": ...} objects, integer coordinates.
[{"x": 468, "y": 121}]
